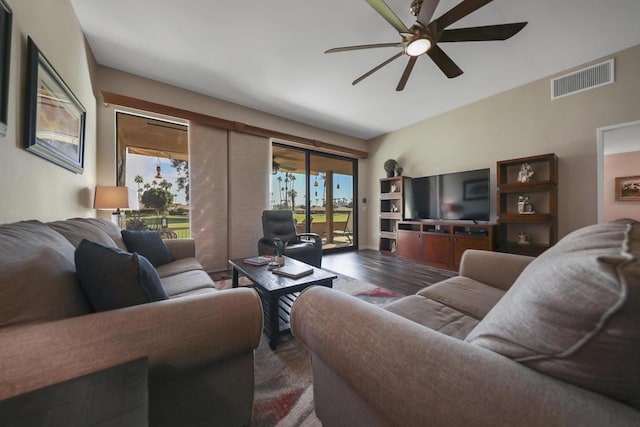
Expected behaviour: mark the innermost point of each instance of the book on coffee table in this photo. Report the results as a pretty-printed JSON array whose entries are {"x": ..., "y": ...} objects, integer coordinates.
[
  {"x": 258, "y": 260},
  {"x": 294, "y": 271}
]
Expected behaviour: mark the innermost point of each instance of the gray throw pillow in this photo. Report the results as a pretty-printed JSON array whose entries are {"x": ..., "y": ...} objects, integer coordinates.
[
  {"x": 149, "y": 244},
  {"x": 574, "y": 312},
  {"x": 112, "y": 278}
]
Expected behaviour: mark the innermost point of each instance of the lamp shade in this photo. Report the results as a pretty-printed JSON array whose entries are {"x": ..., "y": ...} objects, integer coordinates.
[{"x": 111, "y": 198}]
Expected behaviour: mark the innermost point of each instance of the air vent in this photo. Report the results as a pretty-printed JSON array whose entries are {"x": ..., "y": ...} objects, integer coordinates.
[{"x": 581, "y": 80}]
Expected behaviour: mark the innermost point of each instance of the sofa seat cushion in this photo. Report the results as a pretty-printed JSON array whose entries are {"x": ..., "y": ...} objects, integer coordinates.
[
  {"x": 574, "y": 312},
  {"x": 466, "y": 295},
  {"x": 178, "y": 266},
  {"x": 112, "y": 278},
  {"x": 180, "y": 284},
  {"x": 37, "y": 275},
  {"x": 76, "y": 230},
  {"x": 149, "y": 244},
  {"x": 434, "y": 315}
]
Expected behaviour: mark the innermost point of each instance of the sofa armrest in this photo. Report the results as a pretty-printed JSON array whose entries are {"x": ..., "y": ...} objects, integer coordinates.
[
  {"x": 405, "y": 374},
  {"x": 496, "y": 269},
  {"x": 181, "y": 248},
  {"x": 177, "y": 335}
]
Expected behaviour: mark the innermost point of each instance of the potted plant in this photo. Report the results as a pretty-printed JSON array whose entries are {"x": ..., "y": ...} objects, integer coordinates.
[
  {"x": 280, "y": 247},
  {"x": 390, "y": 167},
  {"x": 398, "y": 170}
]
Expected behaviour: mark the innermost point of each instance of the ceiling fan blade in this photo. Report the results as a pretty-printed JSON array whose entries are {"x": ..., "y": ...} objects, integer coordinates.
[
  {"x": 458, "y": 12},
  {"x": 407, "y": 73},
  {"x": 442, "y": 60},
  {"x": 363, "y": 46},
  {"x": 368, "y": 73},
  {"x": 485, "y": 33},
  {"x": 388, "y": 14},
  {"x": 426, "y": 11}
]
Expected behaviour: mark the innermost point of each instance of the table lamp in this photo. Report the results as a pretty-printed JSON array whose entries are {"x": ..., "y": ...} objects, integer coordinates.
[{"x": 112, "y": 198}]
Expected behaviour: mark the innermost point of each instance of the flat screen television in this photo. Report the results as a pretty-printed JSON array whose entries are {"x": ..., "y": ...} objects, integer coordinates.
[{"x": 458, "y": 196}]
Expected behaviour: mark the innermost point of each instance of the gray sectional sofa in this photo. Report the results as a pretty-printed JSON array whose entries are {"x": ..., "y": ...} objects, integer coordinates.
[
  {"x": 199, "y": 342},
  {"x": 512, "y": 340}
]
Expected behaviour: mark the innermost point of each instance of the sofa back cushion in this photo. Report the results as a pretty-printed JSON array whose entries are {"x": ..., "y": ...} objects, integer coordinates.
[
  {"x": 112, "y": 230},
  {"x": 77, "y": 229},
  {"x": 574, "y": 312},
  {"x": 37, "y": 275}
]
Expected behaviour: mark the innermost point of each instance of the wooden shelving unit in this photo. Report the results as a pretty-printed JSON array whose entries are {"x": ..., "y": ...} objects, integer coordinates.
[
  {"x": 541, "y": 227},
  {"x": 391, "y": 211}
]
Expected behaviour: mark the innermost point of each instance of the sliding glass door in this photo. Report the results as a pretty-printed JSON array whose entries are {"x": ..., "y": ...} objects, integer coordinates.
[{"x": 320, "y": 189}]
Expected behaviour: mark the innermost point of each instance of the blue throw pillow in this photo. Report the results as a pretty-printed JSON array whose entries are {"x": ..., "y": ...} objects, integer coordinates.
[
  {"x": 148, "y": 244},
  {"x": 112, "y": 278}
]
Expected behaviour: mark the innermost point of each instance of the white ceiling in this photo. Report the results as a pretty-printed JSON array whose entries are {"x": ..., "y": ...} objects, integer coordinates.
[{"x": 268, "y": 55}]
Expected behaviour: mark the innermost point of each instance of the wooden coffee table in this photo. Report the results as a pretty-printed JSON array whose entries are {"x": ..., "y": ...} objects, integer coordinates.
[{"x": 278, "y": 293}]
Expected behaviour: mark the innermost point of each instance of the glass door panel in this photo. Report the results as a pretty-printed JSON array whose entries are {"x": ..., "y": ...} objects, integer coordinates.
[
  {"x": 289, "y": 183},
  {"x": 332, "y": 200}
]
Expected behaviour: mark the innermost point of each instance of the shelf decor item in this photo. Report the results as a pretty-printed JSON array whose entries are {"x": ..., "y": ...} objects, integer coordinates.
[
  {"x": 628, "y": 188},
  {"x": 525, "y": 206},
  {"x": 523, "y": 238},
  {"x": 390, "y": 167},
  {"x": 54, "y": 117},
  {"x": 526, "y": 173}
]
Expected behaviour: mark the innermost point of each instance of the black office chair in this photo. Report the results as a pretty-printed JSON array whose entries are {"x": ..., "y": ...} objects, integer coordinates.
[{"x": 305, "y": 247}]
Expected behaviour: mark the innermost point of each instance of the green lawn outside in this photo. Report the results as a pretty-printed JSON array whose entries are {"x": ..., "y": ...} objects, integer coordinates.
[{"x": 337, "y": 217}]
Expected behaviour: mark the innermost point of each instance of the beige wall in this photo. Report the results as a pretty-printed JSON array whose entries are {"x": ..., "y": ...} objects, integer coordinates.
[
  {"x": 232, "y": 227},
  {"x": 30, "y": 186},
  {"x": 520, "y": 122},
  {"x": 617, "y": 165}
]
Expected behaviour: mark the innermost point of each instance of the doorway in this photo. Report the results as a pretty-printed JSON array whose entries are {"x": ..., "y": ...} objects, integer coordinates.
[{"x": 618, "y": 152}]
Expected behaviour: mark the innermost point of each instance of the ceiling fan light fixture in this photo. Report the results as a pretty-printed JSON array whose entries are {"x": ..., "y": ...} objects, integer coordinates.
[{"x": 418, "y": 46}]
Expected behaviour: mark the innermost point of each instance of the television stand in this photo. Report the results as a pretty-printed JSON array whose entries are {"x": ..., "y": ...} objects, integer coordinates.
[{"x": 441, "y": 243}]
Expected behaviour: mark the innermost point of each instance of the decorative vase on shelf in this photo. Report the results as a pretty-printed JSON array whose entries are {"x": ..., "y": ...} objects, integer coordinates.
[{"x": 390, "y": 167}]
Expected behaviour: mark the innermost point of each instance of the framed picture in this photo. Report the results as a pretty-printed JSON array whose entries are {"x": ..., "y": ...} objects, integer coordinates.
[
  {"x": 628, "y": 188},
  {"x": 6, "y": 18},
  {"x": 54, "y": 118},
  {"x": 475, "y": 189}
]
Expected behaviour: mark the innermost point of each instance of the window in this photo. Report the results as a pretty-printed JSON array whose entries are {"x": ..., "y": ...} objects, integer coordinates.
[{"x": 153, "y": 160}]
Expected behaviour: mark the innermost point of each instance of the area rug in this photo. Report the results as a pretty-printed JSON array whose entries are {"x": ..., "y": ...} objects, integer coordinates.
[{"x": 283, "y": 391}]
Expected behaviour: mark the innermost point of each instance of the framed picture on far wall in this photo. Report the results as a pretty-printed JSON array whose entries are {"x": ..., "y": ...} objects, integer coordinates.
[
  {"x": 6, "y": 17},
  {"x": 628, "y": 188},
  {"x": 54, "y": 117}
]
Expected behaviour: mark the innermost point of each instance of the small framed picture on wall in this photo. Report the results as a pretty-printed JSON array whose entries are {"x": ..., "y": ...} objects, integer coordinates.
[{"x": 628, "y": 188}]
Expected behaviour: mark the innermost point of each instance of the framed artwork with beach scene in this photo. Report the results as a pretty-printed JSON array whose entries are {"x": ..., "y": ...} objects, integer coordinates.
[{"x": 54, "y": 117}]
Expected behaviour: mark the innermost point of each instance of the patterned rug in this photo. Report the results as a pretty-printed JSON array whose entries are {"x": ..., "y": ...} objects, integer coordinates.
[{"x": 283, "y": 392}]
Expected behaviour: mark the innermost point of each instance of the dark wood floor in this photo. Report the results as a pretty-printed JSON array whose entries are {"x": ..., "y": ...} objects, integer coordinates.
[{"x": 385, "y": 271}]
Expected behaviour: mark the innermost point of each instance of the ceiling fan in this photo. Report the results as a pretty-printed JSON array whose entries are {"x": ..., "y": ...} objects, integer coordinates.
[{"x": 423, "y": 36}]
